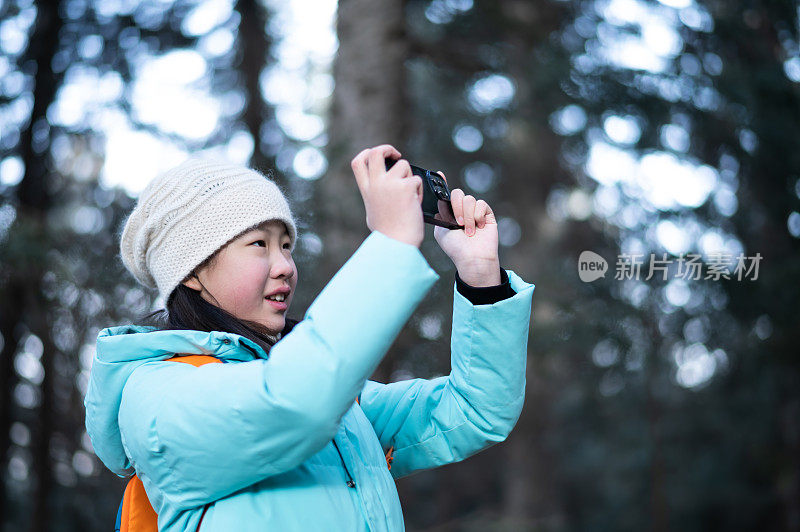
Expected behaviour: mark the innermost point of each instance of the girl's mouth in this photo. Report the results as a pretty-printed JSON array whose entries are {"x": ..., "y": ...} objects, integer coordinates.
[{"x": 277, "y": 305}]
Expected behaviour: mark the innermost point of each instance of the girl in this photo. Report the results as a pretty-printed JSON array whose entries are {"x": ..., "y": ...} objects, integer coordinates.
[{"x": 287, "y": 433}]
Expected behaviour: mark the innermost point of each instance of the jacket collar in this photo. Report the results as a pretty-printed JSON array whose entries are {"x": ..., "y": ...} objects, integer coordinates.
[
  {"x": 128, "y": 343},
  {"x": 122, "y": 349}
]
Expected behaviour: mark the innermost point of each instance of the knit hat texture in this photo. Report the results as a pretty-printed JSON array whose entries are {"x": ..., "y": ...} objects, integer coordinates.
[{"x": 189, "y": 212}]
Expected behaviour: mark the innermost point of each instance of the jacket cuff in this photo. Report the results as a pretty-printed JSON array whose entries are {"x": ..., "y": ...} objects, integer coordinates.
[{"x": 486, "y": 295}]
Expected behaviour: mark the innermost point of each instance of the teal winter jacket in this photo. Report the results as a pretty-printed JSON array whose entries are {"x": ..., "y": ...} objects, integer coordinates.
[{"x": 270, "y": 441}]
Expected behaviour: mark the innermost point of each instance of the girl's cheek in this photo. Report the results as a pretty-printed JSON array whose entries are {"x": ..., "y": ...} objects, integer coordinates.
[
  {"x": 253, "y": 277},
  {"x": 245, "y": 282}
]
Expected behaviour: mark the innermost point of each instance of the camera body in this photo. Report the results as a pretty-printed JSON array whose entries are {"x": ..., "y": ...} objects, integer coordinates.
[{"x": 436, "y": 206}]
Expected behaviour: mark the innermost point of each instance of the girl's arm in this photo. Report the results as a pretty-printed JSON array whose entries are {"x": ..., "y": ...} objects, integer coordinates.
[
  {"x": 199, "y": 434},
  {"x": 443, "y": 420}
]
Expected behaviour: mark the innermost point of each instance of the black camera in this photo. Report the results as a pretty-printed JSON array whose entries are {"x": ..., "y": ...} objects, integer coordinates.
[{"x": 436, "y": 206}]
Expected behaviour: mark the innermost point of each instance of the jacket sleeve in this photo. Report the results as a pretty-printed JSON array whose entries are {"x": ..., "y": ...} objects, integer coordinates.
[
  {"x": 486, "y": 295},
  {"x": 446, "y": 419},
  {"x": 199, "y": 434}
]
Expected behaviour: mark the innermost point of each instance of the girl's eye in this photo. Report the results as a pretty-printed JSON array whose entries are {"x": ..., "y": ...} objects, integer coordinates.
[{"x": 287, "y": 245}]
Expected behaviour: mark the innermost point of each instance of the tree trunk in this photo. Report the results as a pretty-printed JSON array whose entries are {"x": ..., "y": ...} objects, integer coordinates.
[
  {"x": 254, "y": 44},
  {"x": 9, "y": 317},
  {"x": 34, "y": 203},
  {"x": 368, "y": 110}
]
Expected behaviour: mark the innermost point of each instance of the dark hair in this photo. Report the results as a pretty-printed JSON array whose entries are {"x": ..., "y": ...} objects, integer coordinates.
[{"x": 186, "y": 309}]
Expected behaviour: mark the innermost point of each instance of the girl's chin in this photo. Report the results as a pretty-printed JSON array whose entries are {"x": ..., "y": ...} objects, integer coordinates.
[{"x": 274, "y": 325}]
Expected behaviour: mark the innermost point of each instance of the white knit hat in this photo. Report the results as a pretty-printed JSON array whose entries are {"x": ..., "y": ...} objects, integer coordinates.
[{"x": 187, "y": 213}]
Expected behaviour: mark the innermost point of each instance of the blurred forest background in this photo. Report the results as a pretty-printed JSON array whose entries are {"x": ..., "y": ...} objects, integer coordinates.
[{"x": 617, "y": 126}]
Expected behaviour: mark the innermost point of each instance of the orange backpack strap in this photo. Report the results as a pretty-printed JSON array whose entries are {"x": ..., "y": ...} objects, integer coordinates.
[
  {"x": 195, "y": 360},
  {"x": 390, "y": 452},
  {"x": 136, "y": 514},
  {"x": 390, "y": 457}
]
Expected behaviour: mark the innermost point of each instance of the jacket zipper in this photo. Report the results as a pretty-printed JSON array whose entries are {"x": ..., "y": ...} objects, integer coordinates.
[{"x": 350, "y": 482}]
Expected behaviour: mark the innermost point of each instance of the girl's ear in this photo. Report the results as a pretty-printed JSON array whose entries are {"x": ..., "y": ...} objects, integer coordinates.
[{"x": 193, "y": 282}]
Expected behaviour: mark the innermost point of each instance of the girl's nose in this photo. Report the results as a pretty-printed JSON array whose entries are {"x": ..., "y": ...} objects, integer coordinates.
[{"x": 281, "y": 265}]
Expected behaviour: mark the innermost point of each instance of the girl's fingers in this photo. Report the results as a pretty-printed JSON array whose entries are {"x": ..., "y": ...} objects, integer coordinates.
[
  {"x": 456, "y": 199},
  {"x": 376, "y": 160},
  {"x": 359, "y": 166},
  {"x": 401, "y": 169},
  {"x": 480, "y": 213},
  {"x": 443, "y": 177},
  {"x": 489, "y": 218},
  {"x": 469, "y": 214}
]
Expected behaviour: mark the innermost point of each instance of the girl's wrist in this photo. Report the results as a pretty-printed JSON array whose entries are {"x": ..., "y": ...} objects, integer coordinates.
[{"x": 480, "y": 273}]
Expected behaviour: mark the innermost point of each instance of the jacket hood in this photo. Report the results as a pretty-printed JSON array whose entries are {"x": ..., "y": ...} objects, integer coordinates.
[{"x": 120, "y": 350}]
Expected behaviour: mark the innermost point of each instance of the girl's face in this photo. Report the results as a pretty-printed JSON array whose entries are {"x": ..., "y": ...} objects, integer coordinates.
[{"x": 251, "y": 267}]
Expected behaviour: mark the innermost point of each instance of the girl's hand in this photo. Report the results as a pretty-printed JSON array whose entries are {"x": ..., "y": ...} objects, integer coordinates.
[
  {"x": 392, "y": 199},
  {"x": 473, "y": 250}
]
